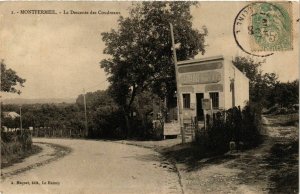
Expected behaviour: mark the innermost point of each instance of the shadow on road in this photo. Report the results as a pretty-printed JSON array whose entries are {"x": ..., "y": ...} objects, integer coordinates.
[
  {"x": 272, "y": 167},
  {"x": 195, "y": 157}
]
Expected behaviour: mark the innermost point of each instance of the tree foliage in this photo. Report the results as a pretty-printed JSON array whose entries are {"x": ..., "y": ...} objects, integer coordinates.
[
  {"x": 140, "y": 49},
  {"x": 10, "y": 79},
  {"x": 261, "y": 84},
  {"x": 285, "y": 94},
  {"x": 95, "y": 99},
  {"x": 265, "y": 88},
  {"x": 103, "y": 114},
  {"x": 54, "y": 116}
]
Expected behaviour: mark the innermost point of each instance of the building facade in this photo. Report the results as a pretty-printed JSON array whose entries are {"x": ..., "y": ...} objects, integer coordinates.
[{"x": 214, "y": 78}]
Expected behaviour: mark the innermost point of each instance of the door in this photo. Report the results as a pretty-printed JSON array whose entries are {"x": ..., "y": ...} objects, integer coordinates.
[{"x": 200, "y": 115}]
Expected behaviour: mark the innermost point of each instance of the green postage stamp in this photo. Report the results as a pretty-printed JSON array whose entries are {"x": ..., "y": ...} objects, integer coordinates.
[{"x": 271, "y": 26}]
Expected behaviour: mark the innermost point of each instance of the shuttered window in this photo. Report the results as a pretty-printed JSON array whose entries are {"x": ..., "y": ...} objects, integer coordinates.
[
  {"x": 186, "y": 100},
  {"x": 214, "y": 96}
]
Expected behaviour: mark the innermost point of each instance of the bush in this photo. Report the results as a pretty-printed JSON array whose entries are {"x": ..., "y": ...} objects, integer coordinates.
[
  {"x": 242, "y": 127},
  {"x": 15, "y": 145},
  {"x": 105, "y": 123}
]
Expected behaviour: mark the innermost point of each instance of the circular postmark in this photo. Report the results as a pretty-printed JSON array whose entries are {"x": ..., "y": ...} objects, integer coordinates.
[{"x": 261, "y": 28}]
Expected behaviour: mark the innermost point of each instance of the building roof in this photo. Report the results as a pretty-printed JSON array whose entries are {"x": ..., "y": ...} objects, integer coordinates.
[
  {"x": 207, "y": 59},
  {"x": 12, "y": 115},
  {"x": 191, "y": 61}
]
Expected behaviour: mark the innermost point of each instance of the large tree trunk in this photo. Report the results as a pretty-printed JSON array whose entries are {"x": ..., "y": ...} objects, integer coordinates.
[{"x": 127, "y": 121}]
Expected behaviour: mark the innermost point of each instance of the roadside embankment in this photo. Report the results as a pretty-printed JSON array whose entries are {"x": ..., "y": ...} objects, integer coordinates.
[{"x": 47, "y": 153}]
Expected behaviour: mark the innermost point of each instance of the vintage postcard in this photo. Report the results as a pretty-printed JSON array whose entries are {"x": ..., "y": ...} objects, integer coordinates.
[{"x": 121, "y": 97}]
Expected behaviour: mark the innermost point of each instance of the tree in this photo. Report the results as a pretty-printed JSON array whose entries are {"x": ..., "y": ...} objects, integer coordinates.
[
  {"x": 140, "y": 50},
  {"x": 103, "y": 114},
  {"x": 285, "y": 94},
  {"x": 95, "y": 99},
  {"x": 261, "y": 84},
  {"x": 10, "y": 79}
]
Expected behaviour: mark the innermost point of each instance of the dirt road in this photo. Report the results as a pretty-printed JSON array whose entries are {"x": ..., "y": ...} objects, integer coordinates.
[
  {"x": 270, "y": 168},
  {"x": 97, "y": 167}
]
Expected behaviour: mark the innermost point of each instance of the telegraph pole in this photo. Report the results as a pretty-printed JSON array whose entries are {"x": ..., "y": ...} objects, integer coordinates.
[
  {"x": 21, "y": 120},
  {"x": 85, "y": 114},
  {"x": 179, "y": 104},
  {"x": 1, "y": 115}
]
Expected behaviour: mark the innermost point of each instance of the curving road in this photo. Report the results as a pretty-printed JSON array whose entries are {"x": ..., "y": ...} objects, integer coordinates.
[{"x": 97, "y": 167}]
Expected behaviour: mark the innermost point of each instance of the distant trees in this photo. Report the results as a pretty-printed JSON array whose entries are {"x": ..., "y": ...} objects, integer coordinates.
[
  {"x": 140, "y": 55},
  {"x": 284, "y": 94},
  {"x": 102, "y": 112},
  {"x": 53, "y": 116},
  {"x": 67, "y": 120},
  {"x": 265, "y": 88},
  {"x": 95, "y": 99},
  {"x": 104, "y": 116},
  {"x": 11, "y": 122}
]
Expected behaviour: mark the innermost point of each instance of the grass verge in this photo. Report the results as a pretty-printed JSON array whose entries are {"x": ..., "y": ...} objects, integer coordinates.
[{"x": 7, "y": 161}]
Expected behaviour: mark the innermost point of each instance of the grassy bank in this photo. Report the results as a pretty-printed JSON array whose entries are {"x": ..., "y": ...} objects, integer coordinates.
[
  {"x": 8, "y": 160},
  {"x": 16, "y": 146}
]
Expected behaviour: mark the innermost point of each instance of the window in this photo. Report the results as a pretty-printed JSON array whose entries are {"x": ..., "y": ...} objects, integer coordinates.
[
  {"x": 186, "y": 100},
  {"x": 214, "y": 96}
]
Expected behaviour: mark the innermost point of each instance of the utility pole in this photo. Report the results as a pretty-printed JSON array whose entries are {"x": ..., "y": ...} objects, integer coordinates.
[
  {"x": 21, "y": 120},
  {"x": 85, "y": 114},
  {"x": 1, "y": 115},
  {"x": 179, "y": 104}
]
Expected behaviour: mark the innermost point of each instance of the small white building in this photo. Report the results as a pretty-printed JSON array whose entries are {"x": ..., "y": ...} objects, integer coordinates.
[
  {"x": 214, "y": 78},
  {"x": 11, "y": 115}
]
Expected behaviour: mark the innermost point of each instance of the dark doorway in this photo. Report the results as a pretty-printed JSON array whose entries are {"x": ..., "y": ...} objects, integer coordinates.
[{"x": 200, "y": 115}]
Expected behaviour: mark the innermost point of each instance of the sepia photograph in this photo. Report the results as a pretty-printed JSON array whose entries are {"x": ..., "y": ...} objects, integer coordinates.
[{"x": 149, "y": 97}]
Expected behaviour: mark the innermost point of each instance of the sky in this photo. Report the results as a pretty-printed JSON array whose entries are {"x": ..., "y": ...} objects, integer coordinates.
[{"x": 59, "y": 55}]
